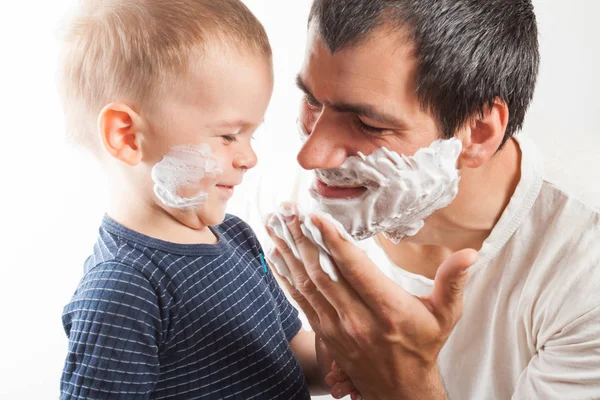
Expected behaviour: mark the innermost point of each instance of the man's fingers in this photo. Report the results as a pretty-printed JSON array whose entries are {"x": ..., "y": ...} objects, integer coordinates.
[
  {"x": 342, "y": 389},
  {"x": 302, "y": 302},
  {"x": 447, "y": 296},
  {"x": 336, "y": 376},
  {"x": 361, "y": 274},
  {"x": 356, "y": 396},
  {"x": 306, "y": 294},
  {"x": 313, "y": 276},
  {"x": 277, "y": 262}
]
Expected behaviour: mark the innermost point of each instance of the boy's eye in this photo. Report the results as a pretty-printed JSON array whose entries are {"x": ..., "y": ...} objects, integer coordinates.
[{"x": 229, "y": 138}]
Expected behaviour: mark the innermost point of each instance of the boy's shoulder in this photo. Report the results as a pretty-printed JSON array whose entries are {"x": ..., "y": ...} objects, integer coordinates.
[
  {"x": 122, "y": 249},
  {"x": 236, "y": 230},
  {"x": 117, "y": 248}
]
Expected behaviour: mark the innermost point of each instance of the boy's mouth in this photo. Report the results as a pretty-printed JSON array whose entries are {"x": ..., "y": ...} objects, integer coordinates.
[{"x": 227, "y": 189}]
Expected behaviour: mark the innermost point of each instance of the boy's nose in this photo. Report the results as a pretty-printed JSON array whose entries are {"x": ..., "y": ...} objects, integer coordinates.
[{"x": 245, "y": 160}]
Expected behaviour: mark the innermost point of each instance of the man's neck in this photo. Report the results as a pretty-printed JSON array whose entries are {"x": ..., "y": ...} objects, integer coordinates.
[
  {"x": 484, "y": 194},
  {"x": 149, "y": 219}
]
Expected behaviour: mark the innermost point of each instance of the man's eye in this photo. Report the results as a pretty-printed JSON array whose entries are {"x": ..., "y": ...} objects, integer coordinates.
[
  {"x": 229, "y": 138},
  {"x": 368, "y": 128},
  {"x": 311, "y": 102}
]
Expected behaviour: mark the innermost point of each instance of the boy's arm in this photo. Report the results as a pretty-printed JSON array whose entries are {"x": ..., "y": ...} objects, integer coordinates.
[
  {"x": 314, "y": 366},
  {"x": 304, "y": 347},
  {"x": 113, "y": 324},
  {"x": 301, "y": 342}
]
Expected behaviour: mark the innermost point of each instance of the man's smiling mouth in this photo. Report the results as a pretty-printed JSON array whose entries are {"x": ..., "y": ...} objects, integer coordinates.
[{"x": 337, "y": 192}]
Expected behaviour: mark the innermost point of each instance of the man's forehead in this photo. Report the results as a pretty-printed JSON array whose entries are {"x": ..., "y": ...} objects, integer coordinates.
[
  {"x": 361, "y": 75},
  {"x": 384, "y": 40},
  {"x": 383, "y": 59}
]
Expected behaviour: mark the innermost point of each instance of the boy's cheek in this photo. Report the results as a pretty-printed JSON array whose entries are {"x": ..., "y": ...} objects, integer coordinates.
[{"x": 185, "y": 175}]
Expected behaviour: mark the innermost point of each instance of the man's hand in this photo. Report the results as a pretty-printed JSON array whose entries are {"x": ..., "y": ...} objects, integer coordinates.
[{"x": 381, "y": 336}]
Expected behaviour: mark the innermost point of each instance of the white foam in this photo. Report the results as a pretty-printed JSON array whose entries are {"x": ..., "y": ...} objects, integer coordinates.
[
  {"x": 184, "y": 175},
  {"x": 281, "y": 266},
  {"x": 401, "y": 191},
  {"x": 309, "y": 229}
]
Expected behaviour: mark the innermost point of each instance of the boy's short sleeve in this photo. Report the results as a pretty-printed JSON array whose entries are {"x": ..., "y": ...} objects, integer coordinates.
[
  {"x": 288, "y": 314},
  {"x": 114, "y": 329}
]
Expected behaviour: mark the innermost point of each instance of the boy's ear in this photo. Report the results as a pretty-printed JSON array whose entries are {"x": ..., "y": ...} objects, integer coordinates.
[
  {"x": 121, "y": 132},
  {"x": 482, "y": 137}
]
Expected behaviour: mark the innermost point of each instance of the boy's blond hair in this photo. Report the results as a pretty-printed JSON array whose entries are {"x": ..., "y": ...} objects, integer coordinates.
[{"x": 132, "y": 50}]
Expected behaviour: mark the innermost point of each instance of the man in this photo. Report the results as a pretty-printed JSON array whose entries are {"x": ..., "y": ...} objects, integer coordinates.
[{"x": 401, "y": 75}]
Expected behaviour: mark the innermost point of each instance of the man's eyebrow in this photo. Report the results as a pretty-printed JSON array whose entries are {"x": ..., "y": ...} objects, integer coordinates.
[
  {"x": 302, "y": 86},
  {"x": 364, "y": 110},
  {"x": 368, "y": 111}
]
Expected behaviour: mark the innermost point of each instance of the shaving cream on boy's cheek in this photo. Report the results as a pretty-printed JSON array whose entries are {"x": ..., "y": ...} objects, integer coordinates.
[
  {"x": 401, "y": 191},
  {"x": 184, "y": 176}
]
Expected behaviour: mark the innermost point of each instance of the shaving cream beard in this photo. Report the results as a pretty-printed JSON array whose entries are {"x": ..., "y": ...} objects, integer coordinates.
[
  {"x": 401, "y": 191},
  {"x": 184, "y": 176}
]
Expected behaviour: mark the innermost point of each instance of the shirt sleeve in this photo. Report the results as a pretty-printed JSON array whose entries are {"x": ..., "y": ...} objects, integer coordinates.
[
  {"x": 568, "y": 365},
  {"x": 114, "y": 328},
  {"x": 288, "y": 314}
]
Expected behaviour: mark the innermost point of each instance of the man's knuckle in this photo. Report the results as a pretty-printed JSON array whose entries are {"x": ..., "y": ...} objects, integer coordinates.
[
  {"x": 298, "y": 298},
  {"x": 321, "y": 280},
  {"x": 456, "y": 287},
  {"x": 298, "y": 237},
  {"x": 306, "y": 286},
  {"x": 284, "y": 249}
]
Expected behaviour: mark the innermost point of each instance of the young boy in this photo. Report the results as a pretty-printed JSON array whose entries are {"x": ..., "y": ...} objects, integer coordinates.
[{"x": 176, "y": 300}]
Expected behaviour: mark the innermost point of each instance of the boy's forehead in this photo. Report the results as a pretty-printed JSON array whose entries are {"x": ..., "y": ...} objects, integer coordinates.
[{"x": 222, "y": 89}]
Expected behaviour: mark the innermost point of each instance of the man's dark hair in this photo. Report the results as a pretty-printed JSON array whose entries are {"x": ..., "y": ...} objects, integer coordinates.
[{"x": 469, "y": 52}]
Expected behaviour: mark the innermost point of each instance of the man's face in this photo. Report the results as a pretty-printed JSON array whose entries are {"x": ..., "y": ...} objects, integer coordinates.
[{"x": 360, "y": 99}]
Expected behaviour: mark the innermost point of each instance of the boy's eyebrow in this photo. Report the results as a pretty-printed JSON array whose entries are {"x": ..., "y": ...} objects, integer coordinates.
[
  {"x": 233, "y": 124},
  {"x": 360, "y": 109},
  {"x": 238, "y": 123}
]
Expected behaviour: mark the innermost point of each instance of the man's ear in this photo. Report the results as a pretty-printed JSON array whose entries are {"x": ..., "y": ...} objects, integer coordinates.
[
  {"x": 121, "y": 132},
  {"x": 482, "y": 137}
]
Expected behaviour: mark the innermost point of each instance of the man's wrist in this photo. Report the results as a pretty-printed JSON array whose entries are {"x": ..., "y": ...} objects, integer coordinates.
[
  {"x": 418, "y": 384},
  {"x": 423, "y": 384}
]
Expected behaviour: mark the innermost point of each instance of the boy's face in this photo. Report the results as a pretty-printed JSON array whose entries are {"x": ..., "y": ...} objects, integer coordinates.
[{"x": 209, "y": 120}]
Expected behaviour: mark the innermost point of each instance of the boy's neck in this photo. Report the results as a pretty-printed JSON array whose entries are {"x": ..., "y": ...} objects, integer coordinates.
[{"x": 153, "y": 221}]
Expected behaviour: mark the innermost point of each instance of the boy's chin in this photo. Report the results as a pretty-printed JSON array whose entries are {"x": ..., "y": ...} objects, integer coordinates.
[{"x": 211, "y": 217}]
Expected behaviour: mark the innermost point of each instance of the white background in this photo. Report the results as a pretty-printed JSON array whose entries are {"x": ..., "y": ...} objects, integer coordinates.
[{"x": 52, "y": 197}]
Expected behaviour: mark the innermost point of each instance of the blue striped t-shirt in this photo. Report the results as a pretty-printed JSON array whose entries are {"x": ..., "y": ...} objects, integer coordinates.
[{"x": 158, "y": 320}]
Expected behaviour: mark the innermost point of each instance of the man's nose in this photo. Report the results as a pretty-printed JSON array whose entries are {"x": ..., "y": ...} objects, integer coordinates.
[{"x": 325, "y": 145}]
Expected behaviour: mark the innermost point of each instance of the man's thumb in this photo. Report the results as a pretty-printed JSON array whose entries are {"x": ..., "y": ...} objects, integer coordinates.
[{"x": 450, "y": 280}]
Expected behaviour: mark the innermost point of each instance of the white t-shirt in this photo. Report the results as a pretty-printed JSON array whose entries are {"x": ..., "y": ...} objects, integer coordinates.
[{"x": 531, "y": 322}]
